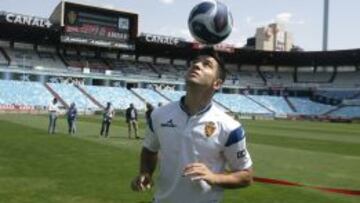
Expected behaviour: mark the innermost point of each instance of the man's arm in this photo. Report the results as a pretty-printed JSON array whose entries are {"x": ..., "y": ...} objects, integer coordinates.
[
  {"x": 236, "y": 179},
  {"x": 148, "y": 163}
]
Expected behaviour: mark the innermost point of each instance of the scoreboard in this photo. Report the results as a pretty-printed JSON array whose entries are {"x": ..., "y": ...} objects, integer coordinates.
[{"x": 98, "y": 26}]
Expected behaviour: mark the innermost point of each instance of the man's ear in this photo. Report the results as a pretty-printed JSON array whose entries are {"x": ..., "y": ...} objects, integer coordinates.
[{"x": 217, "y": 84}]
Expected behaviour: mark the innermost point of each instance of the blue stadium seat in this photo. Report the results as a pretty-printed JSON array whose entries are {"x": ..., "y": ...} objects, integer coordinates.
[
  {"x": 240, "y": 104},
  {"x": 24, "y": 93},
  {"x": 274, "y": 103},
  {"x": 347, "y": 112},
  {"x": 304, "y": 106},
  {"x": 70, "y": 94},
  {"x": 150, "y": 96},
  {"x": 173, "y": 95},
  {"x": 118, "y": 96}
]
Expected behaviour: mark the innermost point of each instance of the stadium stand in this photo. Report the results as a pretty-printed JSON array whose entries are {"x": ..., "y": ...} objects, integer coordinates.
[
  {"x": 181, "y": 69},
  {"x": 274, "y": 103},
  {"x": 167, "y": 71},
  {"x": 150, "y": 96},
  {"x": 347, "y": 112},
  {"x": 24, "y": 93},
  {"x": 240, "y": 104},
  {"x": 338, "y": 94},
  {"x": 50, "y": 61},
  {"x": 28, "y": 58},
  {"x": 69, "y": 93},
  {"x": 3, "y": 60},
  {"x": 282, "y": 79},
  {"x": 314, "y": 77},
  {"x": 304, "y": 106},
  {"x": 249, "y": 78},
  {"x": 347, "y": 79},
  {"x": 173, "y": 95},
  {"x": 133, "y": 68},
  {"x": 118, "y": 96},
  {"x": 22, "y": 58},
  {"x": 85, "y": 60}
]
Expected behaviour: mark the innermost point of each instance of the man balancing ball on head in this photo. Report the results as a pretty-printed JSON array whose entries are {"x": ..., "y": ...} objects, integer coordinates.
[{"x": 201, "y": 149}]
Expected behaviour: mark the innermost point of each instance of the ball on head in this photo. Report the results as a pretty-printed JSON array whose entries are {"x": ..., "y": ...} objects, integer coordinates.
[{"x": 210, "y": 22}]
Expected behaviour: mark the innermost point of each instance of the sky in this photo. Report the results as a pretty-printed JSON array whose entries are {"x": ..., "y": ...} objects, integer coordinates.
[{"x": 303, "y": 18}]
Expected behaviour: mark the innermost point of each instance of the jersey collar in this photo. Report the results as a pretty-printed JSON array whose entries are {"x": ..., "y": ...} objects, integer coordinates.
[{"x": 184, "y": 108}]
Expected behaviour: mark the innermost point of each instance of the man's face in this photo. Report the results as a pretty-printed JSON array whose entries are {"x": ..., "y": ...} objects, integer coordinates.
[{"x": 204, "y": 71}]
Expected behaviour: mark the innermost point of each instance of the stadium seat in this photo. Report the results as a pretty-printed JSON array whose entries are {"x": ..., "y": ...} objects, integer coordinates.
[
  {"x": 240, "y": 104},
  {"x": 24, "y": 93},
  {"x": 304, "y": 106},
  {"x": 150, "y": 96},
  {"x": 172, "y": 95},
  {"x": 275, "y": 103},
  {"x": 69, "y": 93},
  {"x": 118, "y": 96}
]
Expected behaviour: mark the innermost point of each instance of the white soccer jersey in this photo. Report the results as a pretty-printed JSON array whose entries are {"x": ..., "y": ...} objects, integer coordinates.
[
  {"x": 210, "y": 137},
  {"x": 53, "y": 107}
]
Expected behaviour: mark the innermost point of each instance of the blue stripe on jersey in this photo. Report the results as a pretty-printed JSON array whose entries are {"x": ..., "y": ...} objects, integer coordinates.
[{"x": 235, "y": 136}]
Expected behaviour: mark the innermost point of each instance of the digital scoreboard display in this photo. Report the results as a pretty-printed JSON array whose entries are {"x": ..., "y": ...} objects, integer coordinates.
[{"x": 98, "y": 26}]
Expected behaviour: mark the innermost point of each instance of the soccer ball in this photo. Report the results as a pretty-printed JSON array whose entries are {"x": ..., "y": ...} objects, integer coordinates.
[{"x": 210, "y": 22}]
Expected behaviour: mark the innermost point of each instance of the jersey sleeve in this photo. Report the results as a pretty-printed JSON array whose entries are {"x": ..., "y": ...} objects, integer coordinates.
[
  {"x": 151, "y": 140},
  {"x": 235, "y": 151}
]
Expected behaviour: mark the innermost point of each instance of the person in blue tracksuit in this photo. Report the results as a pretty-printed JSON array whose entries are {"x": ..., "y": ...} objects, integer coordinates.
[{"x": 71, "y": 118}]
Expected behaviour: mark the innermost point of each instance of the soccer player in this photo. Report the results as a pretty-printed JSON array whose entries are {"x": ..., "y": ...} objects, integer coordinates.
[
  {"x": 108, "y": 115},
  {"x": 53, "y": 109},
  {"x": 131, "y": 120},
  {"x": 201, "y": 149}
]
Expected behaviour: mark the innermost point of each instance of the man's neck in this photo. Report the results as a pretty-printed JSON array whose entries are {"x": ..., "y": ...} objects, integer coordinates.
[{"x": 196, "y": 100}]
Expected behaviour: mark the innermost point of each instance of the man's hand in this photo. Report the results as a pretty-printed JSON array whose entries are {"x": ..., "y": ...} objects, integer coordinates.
[
  {"x": 199, "y": 171},
  {"x": 141, "y": 183}
]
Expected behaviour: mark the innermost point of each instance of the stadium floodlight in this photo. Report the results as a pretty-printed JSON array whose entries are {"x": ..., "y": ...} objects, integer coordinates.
[{"x": 325, "y": 25}]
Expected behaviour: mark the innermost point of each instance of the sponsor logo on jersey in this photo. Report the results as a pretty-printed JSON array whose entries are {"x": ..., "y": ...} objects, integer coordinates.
[
  {"x": 169, "y": 124},
  {"x": 241, "y": 154},
  {"x": 209, "y": 128}
]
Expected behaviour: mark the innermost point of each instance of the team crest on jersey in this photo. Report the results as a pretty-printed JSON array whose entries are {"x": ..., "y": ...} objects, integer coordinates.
[{"x": 209, "y": 128}]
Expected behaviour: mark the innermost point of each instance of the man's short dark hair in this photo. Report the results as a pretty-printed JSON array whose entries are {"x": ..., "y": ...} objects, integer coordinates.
[{"x": 209, "y": 51}]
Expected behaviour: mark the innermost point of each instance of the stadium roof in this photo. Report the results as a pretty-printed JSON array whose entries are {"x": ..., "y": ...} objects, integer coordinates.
[{"x": 37, "y": 30}]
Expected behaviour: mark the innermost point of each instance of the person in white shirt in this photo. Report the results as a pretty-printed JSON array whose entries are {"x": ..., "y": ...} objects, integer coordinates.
[
  {"x": 108, "y": 115},
  {"x": 131, "y": 119},
  {"x": 201, "y": 149},
  {"x": 53, "y": 109}
]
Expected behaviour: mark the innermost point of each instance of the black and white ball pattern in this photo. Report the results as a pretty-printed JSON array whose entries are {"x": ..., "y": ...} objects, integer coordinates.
[{"x": 210, "y": 22}]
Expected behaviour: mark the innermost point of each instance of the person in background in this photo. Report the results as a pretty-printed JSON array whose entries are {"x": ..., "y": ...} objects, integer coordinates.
[
  {"x": 71, "y": 118},
  {"x": 131, "y": 120},
  {"x": 108, "y": 115},
  {"x": 53, "y": 109},
  {"x": 149, "y": 109}
]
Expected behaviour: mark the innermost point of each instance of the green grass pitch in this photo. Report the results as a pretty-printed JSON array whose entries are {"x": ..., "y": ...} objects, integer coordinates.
[{"x": 39, "y": 168}]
